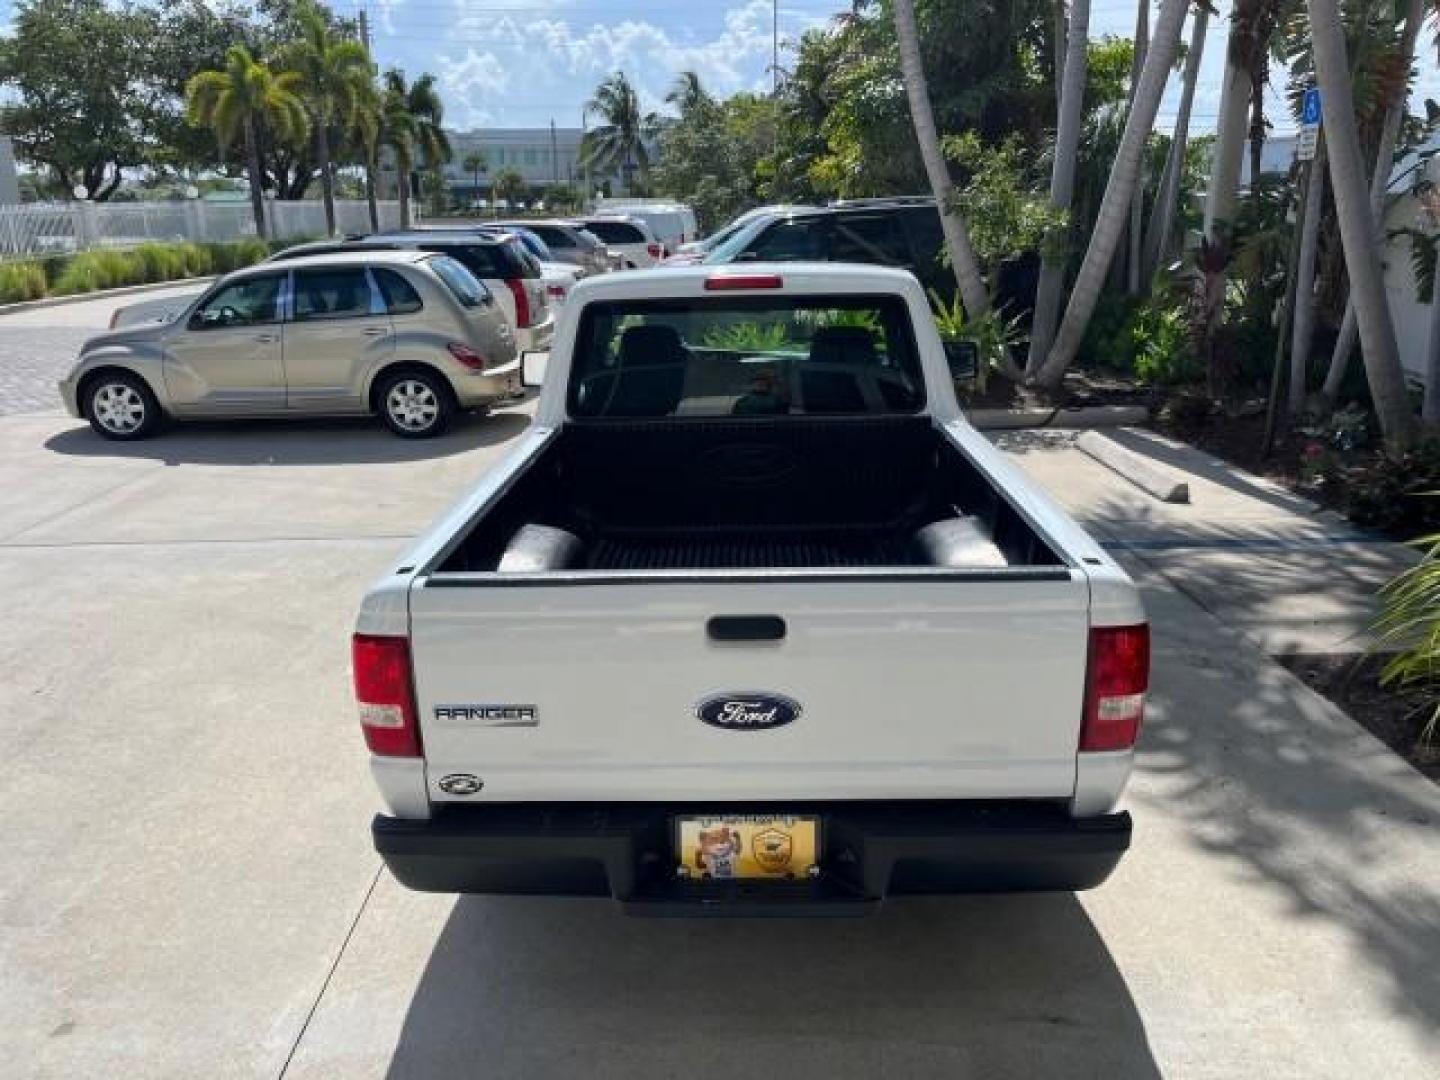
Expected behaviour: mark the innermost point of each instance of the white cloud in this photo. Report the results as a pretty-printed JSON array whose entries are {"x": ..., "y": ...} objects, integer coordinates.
[{"x": 557, "y": 62}]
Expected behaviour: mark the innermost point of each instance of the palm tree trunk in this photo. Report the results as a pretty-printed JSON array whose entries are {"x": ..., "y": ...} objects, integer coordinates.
[
  {"x": 327, "y": 175},
  {"x": 968, "y": 278},
  {"x": 1062, "y": 184},
  {"x": 1137, "y": 201},
  {"x": 371, "y": 203},
  {"x": 1379, "y": 183},
  {"x": 1430, "y": 406},
  {"x": 402, "y": 186},
  {"x": 1061, "y": 44},
  {"x": 1167, "y": 197},
  {"x": 257, "y": 196},
  {"x": 1115, "y": 205},
  {"x": 1304, "y": 332},
  {"x": 1229, "y": 148},
  {"x": 1357, "y": 227}
]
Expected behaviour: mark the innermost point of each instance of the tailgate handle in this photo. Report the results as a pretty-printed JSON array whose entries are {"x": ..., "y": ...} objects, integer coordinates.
[{"x": 746, "y": 628}]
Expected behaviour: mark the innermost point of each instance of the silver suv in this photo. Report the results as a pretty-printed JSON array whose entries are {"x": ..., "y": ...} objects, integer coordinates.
[{"x": 410, "y": 335}]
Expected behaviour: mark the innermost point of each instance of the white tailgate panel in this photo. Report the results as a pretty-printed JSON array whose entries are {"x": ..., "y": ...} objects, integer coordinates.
[{"x": 908, "y": 689}]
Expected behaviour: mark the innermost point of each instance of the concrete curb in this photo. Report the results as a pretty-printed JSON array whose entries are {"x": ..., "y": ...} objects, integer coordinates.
[
  {"x": 1134, "y": 467},
  {"x": 101, "y": 294},
  {"x": 1089, "y": 416}
]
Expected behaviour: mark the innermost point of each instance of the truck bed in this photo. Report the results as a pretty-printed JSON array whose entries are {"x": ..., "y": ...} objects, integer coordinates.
[{"x": 746, "y": 494}]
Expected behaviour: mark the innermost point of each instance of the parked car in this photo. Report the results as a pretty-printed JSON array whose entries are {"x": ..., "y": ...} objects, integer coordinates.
[
  {"x": 903, "y": 233},
  {"x": 409, "y": 335},
  {"x": 764, "y": 622},
  {"x": 628, "y": 236},
  {"x": 568, "y": 242},
  {"x": 559, "y": 277},
  {"x": 507, "y": 269},
  {"x": 672, "y": 223},
  {"x": 695, "y": 251}
]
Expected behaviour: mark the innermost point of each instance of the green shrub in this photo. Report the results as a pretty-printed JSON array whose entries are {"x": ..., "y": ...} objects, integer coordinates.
[
  {"x": 1395, "y": 494},
  {"x": 160, "y": 262},
  {"x": 195, "y": 259},
  {"x": 21, "y": 281},
  {"x": 1409, "y": 622},
  {"x": 1160, "y": 344}
]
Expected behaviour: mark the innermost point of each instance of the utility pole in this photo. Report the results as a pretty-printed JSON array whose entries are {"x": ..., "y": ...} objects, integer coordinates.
[
  {"x": 365, "y": 29},
  {"x": 554, "y": 154}
]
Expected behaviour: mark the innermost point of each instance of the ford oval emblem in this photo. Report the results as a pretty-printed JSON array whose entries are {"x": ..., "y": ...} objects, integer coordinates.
[{"x": 747, "y": 711}]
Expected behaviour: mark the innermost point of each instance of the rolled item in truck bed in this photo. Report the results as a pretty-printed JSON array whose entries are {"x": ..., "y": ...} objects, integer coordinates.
[
  {"x": 536, "y": 548},
  {"x": 958, "y": 542}
]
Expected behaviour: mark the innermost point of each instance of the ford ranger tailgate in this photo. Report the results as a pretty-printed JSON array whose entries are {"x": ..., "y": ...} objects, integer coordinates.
[{"x": 752, "y": 687}]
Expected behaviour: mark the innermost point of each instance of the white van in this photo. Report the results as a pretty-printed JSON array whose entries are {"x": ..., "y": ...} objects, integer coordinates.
[{"x": 672, "y": 223}]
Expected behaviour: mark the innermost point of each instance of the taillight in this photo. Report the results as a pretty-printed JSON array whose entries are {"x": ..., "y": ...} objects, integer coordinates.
[
  {"x": 720, "y": 282},
  {"x": 522, "y": 302},
  {"x": 467, "y": 356},
  {"x": 556, "y": 291},
  {"x": 657, "y": 251},
  {"x": 385, "y": 694},
  {"x": 1116, "y": 679}
]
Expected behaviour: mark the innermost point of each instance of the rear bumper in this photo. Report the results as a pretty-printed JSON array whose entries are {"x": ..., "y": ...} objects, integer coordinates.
[
  {"x": 475, "y": 389},
  {"x": 869, "y": 851}
]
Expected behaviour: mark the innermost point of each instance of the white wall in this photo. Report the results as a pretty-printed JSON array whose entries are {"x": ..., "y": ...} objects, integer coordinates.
[{"x": 1412, "y": 318}]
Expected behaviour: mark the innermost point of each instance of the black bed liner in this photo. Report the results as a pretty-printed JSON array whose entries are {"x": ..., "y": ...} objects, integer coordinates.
[{"x": 747, "y": 494}]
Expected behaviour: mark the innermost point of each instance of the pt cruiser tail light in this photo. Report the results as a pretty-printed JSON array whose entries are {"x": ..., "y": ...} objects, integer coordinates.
[
  {"x": 467, "y": 356},
  {"x": 1116, "y": 679},
  {"x": 386, "y": 695}
]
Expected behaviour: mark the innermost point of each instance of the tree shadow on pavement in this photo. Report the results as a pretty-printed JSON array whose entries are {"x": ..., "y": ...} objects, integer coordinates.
[
  {"x": 1294, "y": 796},
  {"x": 949, "y": 986},
  {"x": 293, "y": 442}
]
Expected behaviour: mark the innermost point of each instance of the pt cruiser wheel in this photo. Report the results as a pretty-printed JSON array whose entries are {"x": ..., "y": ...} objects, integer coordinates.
[
  {"x": 415, "y": 405},
  {"x": 121, "y": 407}
]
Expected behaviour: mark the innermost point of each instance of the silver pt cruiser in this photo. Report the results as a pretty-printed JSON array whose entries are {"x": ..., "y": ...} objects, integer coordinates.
[{"x": 409, "y": 335}]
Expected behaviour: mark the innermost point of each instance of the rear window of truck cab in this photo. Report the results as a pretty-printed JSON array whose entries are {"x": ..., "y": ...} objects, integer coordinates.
[{"x": 746, "y": 356}]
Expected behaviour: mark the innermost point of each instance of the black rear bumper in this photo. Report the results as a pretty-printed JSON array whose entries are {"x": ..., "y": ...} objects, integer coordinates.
[{"x": 869, "y": 851}]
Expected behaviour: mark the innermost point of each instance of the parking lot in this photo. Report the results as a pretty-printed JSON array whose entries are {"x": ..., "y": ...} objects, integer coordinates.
[{"x": 188, "y": 886}]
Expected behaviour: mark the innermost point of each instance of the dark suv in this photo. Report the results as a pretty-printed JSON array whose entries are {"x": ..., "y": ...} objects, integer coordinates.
[{"x": 900, "y": 232}]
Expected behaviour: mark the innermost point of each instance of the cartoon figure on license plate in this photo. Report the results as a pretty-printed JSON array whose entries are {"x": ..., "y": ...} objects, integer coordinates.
[{"x": 717, "y": 852}]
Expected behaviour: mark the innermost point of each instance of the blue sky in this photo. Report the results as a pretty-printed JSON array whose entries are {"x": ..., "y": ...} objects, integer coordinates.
[{"x": 521, "y": 63}]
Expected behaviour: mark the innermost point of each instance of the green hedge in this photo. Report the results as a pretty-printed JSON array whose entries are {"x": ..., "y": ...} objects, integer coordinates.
[{"x": 88, "y": 271}]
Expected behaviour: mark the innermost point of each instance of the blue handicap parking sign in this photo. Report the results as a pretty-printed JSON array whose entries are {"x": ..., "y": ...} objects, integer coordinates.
[{"x": 1310, "y": 107}]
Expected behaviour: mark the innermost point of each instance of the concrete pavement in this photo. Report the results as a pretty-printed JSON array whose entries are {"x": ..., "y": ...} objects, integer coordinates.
[
  {"x": 1293, "y": 577},
  {"x": 189, "y": 887}
]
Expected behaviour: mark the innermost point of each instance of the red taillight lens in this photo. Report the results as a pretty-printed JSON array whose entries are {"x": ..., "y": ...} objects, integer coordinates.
[
  {"x": 522, "y": 302},
  {"x": 1115, "y": 685},
  {"x": 1117, "y": 677},
  {"x": 657, "y": 251},
  {"x": 385, "y": 694},
  {"x": 720, "y": 282},
  {"x": 557, "y": 291},
  {"x": 467, "y": 356}
]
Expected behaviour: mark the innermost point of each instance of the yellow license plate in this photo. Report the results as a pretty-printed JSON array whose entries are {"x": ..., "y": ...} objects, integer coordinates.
[{"x": 747, "y": 847}]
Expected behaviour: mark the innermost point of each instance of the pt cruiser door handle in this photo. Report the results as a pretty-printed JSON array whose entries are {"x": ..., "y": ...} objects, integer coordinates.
[{"x": 376, "y": 331}]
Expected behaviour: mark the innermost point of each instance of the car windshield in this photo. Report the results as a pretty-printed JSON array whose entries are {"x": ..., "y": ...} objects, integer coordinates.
[
  {"x": 746, "y": 356},
  {"x": 727, "y": 250}
]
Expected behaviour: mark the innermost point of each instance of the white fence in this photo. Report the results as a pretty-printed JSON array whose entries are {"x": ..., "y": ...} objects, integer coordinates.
[{"x": 57, "y": 228}]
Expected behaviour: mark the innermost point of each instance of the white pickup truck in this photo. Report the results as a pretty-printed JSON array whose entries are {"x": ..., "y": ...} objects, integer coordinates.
[{"x": 751, "y": 620}]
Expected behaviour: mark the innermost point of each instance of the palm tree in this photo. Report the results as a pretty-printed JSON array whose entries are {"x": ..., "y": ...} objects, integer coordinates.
[
  {"x": 1135, "y": 254},
  {"x": 618, "y": 145},
  {"x": 1062, "y": 181},
  {"x": 474, "y": 163},
  {"x": 1115, "y": 206},
  {"x": 1167, "y": 196},
  {"x": 968, "y": 278},
  {"x": 1303, "y": 335},
  {"x": 1379, "y": 185},
  {"x": 687, "y": 94},
  {"x": 365, "y": 123},
  {"x": 411, "y": 119},
  {"x": 510, "y": 186},
  {"x": 1357, "y": 227},
  {"x": 334, "y": 72},
  {"x": 237, "y": 102}
]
